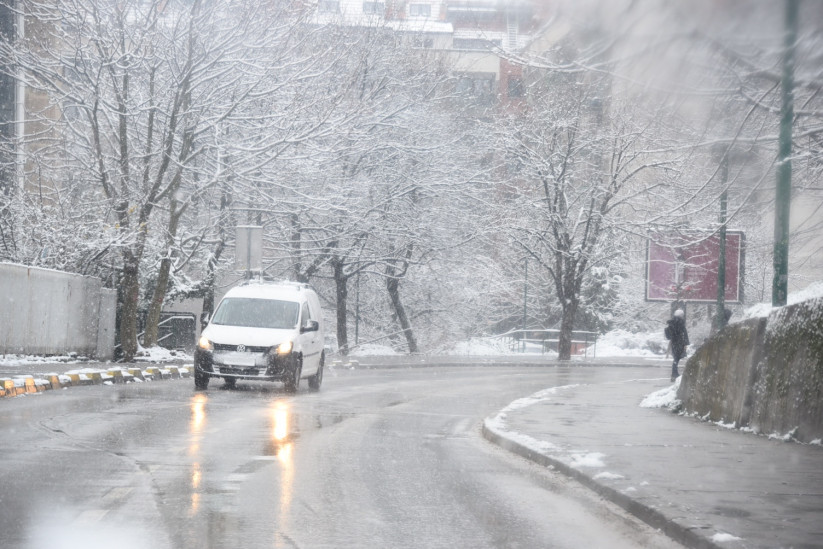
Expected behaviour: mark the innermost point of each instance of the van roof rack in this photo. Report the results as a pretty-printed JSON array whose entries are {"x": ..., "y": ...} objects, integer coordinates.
[{"x": 270, "y": 280}]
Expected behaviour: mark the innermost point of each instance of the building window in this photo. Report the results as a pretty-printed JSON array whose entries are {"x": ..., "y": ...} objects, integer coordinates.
[
  {"x": 328, "y": 6},
  {"x": 475, "y": 85},
  {"x": 474, "y": 44},
  {"x": 515, "y": 86},
  {"x": 420, "y": 10},
  {"x": 373, "y": 8},
  {"x": 424, "y": 43}
]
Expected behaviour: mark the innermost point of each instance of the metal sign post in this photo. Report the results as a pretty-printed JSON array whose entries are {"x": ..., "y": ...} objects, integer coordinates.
[{"x": 248, "y": 254}]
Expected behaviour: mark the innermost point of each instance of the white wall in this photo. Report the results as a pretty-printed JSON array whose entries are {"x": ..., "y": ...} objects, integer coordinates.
[{"x": 46, "y": 312}]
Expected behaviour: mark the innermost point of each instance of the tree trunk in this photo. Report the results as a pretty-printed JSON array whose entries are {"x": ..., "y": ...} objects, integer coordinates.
[
  {"x": 342, "y": 293},
  {"x": 211, "y": 267},
  {"x": 296, "y": 236},
  {"x": 156, "y": 304},
  {"x": 211, "y": 277},
  {"x": 128, "y": 316},
  {"x": 393, "y": 287},
  {"x": 564, "y": 345},
  {"x": 159, "y": 295}
]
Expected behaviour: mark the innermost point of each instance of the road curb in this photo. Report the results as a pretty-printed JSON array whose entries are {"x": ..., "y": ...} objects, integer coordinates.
[
  {"x": 654, "y": 518},
  {"x": 12, "y": 386}
]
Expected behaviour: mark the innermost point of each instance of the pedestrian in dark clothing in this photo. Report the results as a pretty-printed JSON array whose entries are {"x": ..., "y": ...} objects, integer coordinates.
[{"x": 676, "y": 333}]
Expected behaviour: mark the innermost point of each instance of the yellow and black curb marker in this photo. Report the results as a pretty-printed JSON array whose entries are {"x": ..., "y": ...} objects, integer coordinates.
[{"x": 29, "y": 384}]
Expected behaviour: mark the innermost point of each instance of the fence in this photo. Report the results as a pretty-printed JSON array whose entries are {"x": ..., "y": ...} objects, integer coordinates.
[
  {"x": 547, "y": 340},
  {"x": 46, "y": 312},
  {"x": 175, "y": 330}
]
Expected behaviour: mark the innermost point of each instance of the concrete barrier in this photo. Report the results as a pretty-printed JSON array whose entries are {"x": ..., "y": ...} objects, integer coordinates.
[
  {"x": 54, "y": 381},
  {"x": 78, "y": 379},
  {"x": 46, "y": 312},
  {"x": 157, "y": 373},
  {"x": 7, "y": 387},
  {"x": 765, "y": 374}
]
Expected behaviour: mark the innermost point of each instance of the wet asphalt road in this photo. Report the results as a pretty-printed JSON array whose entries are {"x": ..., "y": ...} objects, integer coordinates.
[{"x": 388, "y": 457}]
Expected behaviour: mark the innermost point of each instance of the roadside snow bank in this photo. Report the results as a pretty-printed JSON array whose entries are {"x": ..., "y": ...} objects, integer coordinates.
[
  {"x": 481, "y": 346},
  {"x": 161, "y": 354},
  {"x": 24, "y": 360},
  {"x": 762, "y": 310},
  {"x": 496, "y": 346},
  {"x": 664, "y": 398},
  {"x": 372, "y": 349}
]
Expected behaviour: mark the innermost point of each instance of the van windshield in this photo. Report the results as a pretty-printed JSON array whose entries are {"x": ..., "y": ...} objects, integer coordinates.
[{"x": 257, "y": 313}]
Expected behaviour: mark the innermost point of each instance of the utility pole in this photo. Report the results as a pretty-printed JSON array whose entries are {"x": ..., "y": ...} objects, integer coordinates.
[
  {"x": 720, "y": 316},
  {"x": 783, "y": 194},
  {"x": 357, "y": 310}
]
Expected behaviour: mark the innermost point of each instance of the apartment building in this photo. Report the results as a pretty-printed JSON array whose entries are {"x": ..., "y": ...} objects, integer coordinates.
[{"x": 478, "y": 33}]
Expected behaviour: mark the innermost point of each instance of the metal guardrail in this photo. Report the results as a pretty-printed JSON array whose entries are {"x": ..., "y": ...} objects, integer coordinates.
[{"x": 548, "y": 340}]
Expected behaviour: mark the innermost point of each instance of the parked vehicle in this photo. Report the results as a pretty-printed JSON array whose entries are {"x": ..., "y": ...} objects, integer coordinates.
[{"x": 263, "y": 332}]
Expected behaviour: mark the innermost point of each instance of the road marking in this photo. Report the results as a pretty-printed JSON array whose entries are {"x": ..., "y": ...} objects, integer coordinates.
[
  {"x": 116, "y": 494},
  {"x": 91, "y": 516}
]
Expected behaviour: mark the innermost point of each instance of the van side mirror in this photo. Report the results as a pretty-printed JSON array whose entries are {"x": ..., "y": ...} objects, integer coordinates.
[
  {"x": 310, "y": 326},
  {"x": 204, "y": 319}
]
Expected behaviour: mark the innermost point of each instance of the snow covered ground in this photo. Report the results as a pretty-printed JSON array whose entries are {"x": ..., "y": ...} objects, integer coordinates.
[
  {"x": 614, "y": 344},
  {"x": 154, "y": 355}
]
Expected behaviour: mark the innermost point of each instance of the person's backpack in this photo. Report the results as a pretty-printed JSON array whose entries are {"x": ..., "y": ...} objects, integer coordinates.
[{"x": 668, "y": 331}]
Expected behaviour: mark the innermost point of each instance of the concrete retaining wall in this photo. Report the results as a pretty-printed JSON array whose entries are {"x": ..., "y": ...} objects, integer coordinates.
[
  {"x": 764, "y": 374},
  {"x": 45, "y": 312}
]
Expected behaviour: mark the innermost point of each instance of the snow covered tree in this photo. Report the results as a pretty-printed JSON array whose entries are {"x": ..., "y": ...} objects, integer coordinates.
[
  {"x": 583, "y": 167},
  {"x": 330, "y": 199},
  {"x": 718, "y": 67},
  {"x": 132, "y": 93}
]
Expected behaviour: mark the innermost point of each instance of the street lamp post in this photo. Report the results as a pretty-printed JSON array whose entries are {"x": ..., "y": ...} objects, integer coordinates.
[
  {"x": 780, "y": 281},
  {"x": 525, "y": 298}
]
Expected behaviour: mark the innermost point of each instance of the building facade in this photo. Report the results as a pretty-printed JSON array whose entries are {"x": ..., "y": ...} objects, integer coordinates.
[
  {"x": 7, "y": 101},
  {"x": 478, "y": 34}
]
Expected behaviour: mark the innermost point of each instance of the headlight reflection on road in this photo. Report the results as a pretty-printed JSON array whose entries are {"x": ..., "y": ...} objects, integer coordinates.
[
  {"x": 198, "y": 414},
  {"x": 196, "y": 426},
  {"x": 281, "y": 443},
  {"x": 195, "y": 489},
  {"x": 282, "y": 447},
  {"x": 281, "y": 424}
]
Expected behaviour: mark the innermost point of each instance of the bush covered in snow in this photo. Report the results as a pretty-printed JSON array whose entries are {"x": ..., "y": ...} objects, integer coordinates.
[{"x": 623, "y": 343}]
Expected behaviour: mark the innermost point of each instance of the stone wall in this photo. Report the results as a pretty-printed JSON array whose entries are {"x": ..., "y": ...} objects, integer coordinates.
[{"x": 765, "y": 374}]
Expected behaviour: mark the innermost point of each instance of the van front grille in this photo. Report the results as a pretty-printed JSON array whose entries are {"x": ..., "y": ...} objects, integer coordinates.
[{"x": 248, "y": 349}]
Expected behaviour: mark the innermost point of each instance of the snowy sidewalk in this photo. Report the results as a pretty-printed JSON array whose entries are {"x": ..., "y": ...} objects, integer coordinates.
[{"x": 704, "y": 484}]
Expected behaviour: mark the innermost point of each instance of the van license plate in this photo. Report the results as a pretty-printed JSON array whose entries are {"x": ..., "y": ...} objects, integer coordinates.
[{"x": 234, "y": 358}]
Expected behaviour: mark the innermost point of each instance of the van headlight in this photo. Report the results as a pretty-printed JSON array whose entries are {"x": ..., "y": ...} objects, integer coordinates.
[
  {"x": 284, "y": 348},
  {"x": 205, "y": 344}
]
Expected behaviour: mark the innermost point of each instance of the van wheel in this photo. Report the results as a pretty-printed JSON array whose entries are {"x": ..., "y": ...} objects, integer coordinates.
[
  {"x": 201, "y": 381},
  {"x": 292, "y": 382},
  {"x": 230, "y": 382},
  {"x": 317, "y": 379}
]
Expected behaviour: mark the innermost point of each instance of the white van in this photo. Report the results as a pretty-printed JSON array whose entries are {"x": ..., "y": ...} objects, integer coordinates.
[{"x": 263, "y": 332}]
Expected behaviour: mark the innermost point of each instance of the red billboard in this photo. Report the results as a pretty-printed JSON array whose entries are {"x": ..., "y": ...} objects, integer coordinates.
[{"x": 684, "y": 267}]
